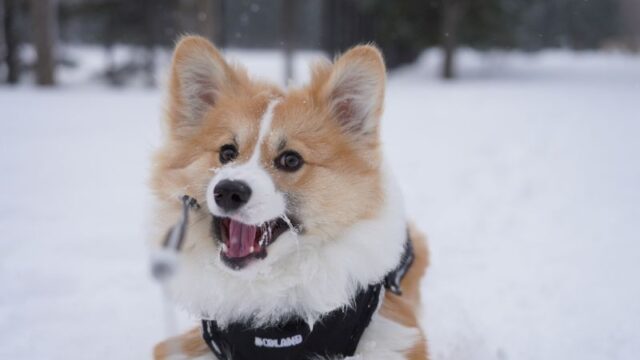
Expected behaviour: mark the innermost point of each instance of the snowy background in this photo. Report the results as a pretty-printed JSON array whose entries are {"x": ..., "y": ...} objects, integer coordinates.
[{"x": 525, "y": 174}]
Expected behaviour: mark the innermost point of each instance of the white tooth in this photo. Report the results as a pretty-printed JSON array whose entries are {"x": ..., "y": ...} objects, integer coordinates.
[
  {"x": 264, "y": 237},
  {"x": 224, "y": 247},
  {"x": 251, "y": 249}
]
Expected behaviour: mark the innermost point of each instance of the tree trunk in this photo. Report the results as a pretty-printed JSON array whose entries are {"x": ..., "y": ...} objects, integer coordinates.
[
  {"x": 11, "y": 41},
  {"x": 452, "y": 12},
  {"x": 203, "y": 17},
  {"x": 149, "y": 41},
  {"x": 630, "y": 10},
  {"x": 45, "y": 30},
  {"x": 210, "y": 15},
  {"x": 288, "y": 15}
]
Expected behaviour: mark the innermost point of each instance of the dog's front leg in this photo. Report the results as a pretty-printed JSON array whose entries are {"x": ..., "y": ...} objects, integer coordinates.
[{"x": 188, "y": 346}]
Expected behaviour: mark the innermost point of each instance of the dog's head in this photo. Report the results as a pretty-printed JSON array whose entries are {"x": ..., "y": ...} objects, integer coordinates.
[{"x": 279, "y": 172}]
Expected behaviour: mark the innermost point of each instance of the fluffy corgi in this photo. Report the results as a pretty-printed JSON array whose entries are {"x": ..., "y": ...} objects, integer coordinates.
[{"x": 301, "y": 240}]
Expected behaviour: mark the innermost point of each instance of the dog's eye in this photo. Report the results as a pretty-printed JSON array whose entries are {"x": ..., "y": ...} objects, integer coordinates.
[
  {"x": 228, "y": 153},
  {"x": 289, "y": 161}
]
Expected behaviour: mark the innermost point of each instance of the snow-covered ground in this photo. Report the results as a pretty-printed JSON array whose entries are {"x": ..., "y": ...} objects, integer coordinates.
[{"x": 525, "y": 174}]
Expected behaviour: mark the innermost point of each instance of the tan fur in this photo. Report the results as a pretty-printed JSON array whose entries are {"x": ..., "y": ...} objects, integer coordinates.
[
  {"x": 189, "y": 344},
  {"x": 339, "y": 184},
  {"x": 340, "y": 169}
]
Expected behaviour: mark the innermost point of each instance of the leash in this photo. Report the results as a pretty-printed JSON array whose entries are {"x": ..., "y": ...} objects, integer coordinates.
[{"x": 164, "y": 263}]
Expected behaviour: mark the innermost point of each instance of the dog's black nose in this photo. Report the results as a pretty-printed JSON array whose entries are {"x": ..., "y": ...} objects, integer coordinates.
[{"x": 231, "y": 194}]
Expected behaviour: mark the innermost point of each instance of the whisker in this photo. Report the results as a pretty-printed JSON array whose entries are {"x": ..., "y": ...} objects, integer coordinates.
[{"x": 295, "y": 232}]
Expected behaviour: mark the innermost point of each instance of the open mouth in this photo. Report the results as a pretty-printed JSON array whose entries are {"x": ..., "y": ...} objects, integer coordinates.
[{"x": 243, "y": 243}]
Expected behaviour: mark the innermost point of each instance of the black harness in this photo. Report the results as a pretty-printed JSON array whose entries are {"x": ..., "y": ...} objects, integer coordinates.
[{"x": 337, "y": 333}]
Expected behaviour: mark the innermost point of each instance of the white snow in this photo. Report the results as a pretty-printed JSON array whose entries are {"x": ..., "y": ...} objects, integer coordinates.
[{"x": 525, "y": 174}]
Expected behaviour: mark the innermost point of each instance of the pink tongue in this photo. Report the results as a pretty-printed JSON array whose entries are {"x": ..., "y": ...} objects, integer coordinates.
[{"x": 241, "y": 239}]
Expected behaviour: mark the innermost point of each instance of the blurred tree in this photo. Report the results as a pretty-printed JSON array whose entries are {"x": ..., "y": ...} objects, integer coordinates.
[
  {"x": 11, "y": 40},
  {"x": 400, "y": 28},
  {"x": 44, "y": 21},
  {"x": 344, "y": 25},
  {"x": 577, "y": 24},
  {"x": 403, "y": 29},
  {"x": 630, "y": 10},
  {"x": 486, "y": 24},
  {"x": 143, "y": 23},
  {"x": 453, "y": 12},
  {"x": 211, "y": 20},
  {"x": 524, "y": 24},
  {"x": 288, "y": 29},
  {"x": 203, "y": 17},
  {"x": 150, "y": 42}
]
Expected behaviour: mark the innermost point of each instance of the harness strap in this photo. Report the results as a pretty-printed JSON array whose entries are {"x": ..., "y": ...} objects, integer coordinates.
[
  {"x": 337, "y": 333},
  {"x": 393, "y": 278}
]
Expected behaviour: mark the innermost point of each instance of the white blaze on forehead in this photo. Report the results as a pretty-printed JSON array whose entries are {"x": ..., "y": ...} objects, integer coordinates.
[
  {"x": 266, "y": 203},
  {"x": 265, "y": 126}
]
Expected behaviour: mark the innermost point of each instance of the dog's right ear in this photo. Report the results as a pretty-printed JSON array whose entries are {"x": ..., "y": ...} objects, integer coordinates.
[{"x": 198, "y": 74}]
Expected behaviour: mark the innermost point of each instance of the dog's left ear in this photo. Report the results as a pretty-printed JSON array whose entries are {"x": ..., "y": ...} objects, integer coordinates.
[{"x": 354, "y": 90}]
